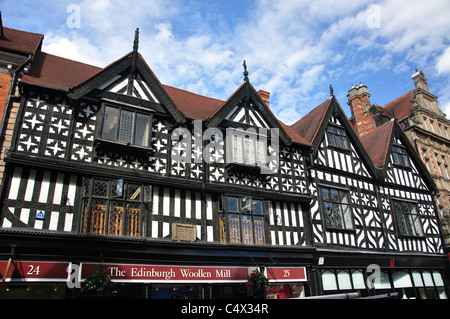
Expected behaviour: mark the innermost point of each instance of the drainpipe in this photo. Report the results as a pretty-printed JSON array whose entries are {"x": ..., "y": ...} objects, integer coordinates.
[{"x": 4, "y": 124}]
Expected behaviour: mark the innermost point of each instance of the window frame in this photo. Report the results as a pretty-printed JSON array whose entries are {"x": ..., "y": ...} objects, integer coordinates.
[
  {"x": 400, "y": 155},
  {"x": 121, "y": 110},
  {"x": 230, "y": 218},
  {"x": 337, "y": 133},
  {"x": 342, "y": 216},
  {"x": 241, "y": 158},
  {"x": 119, "y": 207},
  {"x": 408, "y": 223}
]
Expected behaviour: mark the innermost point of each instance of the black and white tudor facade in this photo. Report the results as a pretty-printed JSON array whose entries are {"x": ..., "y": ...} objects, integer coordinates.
[{"x": 94, "y": 177}]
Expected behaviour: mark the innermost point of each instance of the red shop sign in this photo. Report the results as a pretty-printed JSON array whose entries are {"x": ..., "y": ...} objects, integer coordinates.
[
  {"x": 29, "y": 271},
  {"x": 157, "y": 273},
  {"x": 286, "y": 274}
]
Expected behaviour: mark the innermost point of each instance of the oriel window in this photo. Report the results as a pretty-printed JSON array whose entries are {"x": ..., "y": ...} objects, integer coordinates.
[
  {"x": 242, "y": 220},
  {"x": 248, "y": 149},
  {"x": 125, "y": 126}
]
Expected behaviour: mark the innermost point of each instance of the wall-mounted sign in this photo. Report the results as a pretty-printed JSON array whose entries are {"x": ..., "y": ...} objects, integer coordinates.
[{"x": 38, "y": 271}]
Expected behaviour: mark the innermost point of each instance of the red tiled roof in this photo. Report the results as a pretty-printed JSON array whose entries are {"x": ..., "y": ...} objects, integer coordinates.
[
  {"x": 20, "y": 41},
  {"x": 55, "y": 72},
  {"x": 51, "y": 71},
  {"x": 309, "y": 125},
  {"x": 376, "y": 142},
  {"x": 193, "y": 105},
  {"x": 400, "y": 107}
]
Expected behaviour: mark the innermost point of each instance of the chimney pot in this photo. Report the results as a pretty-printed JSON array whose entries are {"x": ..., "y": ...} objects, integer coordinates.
[{"x": 264, "y": 95}]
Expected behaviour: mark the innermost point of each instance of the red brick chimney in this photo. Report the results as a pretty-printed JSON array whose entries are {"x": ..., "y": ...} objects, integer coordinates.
[
  {"x": 264, "y": 96},
  {"x": 358, "y": 99}
]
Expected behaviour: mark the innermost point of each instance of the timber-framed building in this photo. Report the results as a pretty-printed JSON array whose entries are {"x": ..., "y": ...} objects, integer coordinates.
[{"x": 180, "y": 195}]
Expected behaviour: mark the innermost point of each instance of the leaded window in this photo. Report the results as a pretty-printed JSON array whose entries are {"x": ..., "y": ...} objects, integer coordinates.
[
  {"x": 408, "y": 219},
  {"x": 242, "y": 220},
  {"x": 247, "y": 149},
  {"x": 113, "y": 207},
  {"x": 125, "y": 126},
  {"x": 337, "y": 209},
  {"x": 399, "y": 155},
  {"x": 337, "y": 137}
]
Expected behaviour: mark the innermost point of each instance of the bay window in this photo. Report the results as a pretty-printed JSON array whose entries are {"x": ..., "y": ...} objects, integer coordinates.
[{"x": 126, "y": 126}]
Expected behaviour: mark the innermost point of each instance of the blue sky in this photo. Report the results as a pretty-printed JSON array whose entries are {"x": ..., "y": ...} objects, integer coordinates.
[{"x": 294, "y": 48}]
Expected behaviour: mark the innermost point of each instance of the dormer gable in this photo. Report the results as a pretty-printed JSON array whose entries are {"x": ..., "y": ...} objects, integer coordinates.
[
  {"x": 129, "y": 80},
  {"x": 329, "y": 131},
  {"x": 246, "y": 109}
]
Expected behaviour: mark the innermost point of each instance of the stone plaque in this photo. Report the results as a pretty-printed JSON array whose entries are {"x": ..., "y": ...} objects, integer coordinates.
[{"x": 184, "y": 232}]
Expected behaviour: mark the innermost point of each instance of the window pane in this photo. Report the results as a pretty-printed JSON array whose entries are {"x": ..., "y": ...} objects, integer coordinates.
[
  {"x": 335, "y": 195},
  {"x": 401, "y": 279},
  {"x": 246, "y": 208},
  {"x": 384, "y": 282},
  {"x": 259, "y": 230},
  {"x": 249, "y": 151},
  {"x": 325, "y": 194},
  {"x": 234, "y": 228},
  {"x": 344, "y": 280},
  {"x": 247, "y": 231},
  {"x": 98, "y": 217},
  {"x": 115, "y": 219},
  {"x": 133, "y": 219},
  {"x": 237, "y": 149},
  {"x": 232, "y": 204},
  {"x": 261, "y": 154},
  {"x": 438, "y": 278},
  {"x": 126, "y": 127},
  {"x": 110, "y": 123},
  {"x": 417, "y": 279},
  {"x": 142, "y": 129},
  {"x": 329, "y": 281},
  {"x": 257, "y": 207},
  {"x": 358, "y": 280}
]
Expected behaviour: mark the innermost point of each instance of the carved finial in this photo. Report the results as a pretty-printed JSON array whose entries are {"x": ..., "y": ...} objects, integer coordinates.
[
  {"x": 136, "y": 40},
  {"x": 245, "y": 71},
  {"x": 331, "y": 90}
]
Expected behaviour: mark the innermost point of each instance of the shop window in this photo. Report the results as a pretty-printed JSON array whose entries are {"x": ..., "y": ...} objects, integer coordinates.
[
  {"x": 125, "y": 126},
  {"x": 337, "y": 137},
  {"x": 399, "y": 156},
  {"x": 242, "y": 221},
  {"x": 336, "y": 207},
  {"x": 113, "y": 207},
  {"x": 408, "y": 218}
]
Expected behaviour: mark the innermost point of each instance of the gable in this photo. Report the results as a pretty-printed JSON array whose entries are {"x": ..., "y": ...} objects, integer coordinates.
[
  {"x": 245, "y": 107},
  {"x": 342, "y": 153},
  {"x": 129, "y": 80},
  {"x": 137, "y": 88},
  {"x": 245, "y": 113},
  {"x": 402, "y": 168}
]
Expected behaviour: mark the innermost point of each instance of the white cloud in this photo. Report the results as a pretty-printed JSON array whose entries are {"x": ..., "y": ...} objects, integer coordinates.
[
  {"x": 294, "y": 49},
  {"x": 443, "y": 63}
]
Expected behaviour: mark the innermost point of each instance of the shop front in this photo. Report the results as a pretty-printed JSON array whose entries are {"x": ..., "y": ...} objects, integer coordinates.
[
  {"x": 196, "y": 282},
  {"x": 51, "y": 280}
]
